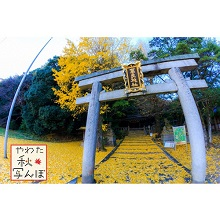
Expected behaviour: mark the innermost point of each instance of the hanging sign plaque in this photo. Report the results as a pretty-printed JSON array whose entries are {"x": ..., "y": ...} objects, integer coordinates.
[{"x": 133, "y": 77}]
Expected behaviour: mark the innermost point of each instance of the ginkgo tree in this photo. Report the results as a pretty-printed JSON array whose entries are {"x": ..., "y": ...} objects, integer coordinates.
[{"x": 90, "y": 54}]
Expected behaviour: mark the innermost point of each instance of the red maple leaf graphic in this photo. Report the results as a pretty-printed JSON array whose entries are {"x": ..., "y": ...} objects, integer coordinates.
[{"x": 38, "y": 161}]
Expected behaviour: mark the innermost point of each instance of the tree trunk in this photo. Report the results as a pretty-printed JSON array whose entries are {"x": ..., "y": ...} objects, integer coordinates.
[
  {"x": 215, "y": 123},
  {"x": 204, "y": 128},
  {"x": 209, "y": 125},
  {"x": 100, "y": 144},
  {"x": 205, "y": 135},
  {"x": 157, "y": 124}
]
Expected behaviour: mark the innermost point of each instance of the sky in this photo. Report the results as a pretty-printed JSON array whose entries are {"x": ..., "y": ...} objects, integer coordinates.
[{"x": 17, "y": 53}]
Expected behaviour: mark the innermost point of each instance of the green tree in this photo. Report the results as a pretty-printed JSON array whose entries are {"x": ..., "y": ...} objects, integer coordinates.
[
  {"x": 118, "y": 110},
  {"x": 40, "y": 114},
  {"x": 137, "y": 55},
  {"x": 208, "y": 68},
  {"x": 162, "y": 47},
  {"x": 207, "y": 101},
  {"x": 207, "y": 48},
  {"x": 209, "y": 63},
  {"x": 7, "y": 91}
]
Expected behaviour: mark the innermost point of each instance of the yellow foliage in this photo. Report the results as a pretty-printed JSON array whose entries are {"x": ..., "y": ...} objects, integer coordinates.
[
  {"x": 107, "y": 88},
  {"x": 90, "y": 55},
  {"x": 104, "y": 127},
  {"x": 104, "y": 108}
]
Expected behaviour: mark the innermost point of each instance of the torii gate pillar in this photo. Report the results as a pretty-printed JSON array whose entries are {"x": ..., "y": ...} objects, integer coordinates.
[
  {"x": 91, "y": 135},
  {"x": 194, "y": 126}
]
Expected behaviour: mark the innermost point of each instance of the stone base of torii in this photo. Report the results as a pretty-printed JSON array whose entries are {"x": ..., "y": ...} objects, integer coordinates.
[{"x": 174, "y": 67}]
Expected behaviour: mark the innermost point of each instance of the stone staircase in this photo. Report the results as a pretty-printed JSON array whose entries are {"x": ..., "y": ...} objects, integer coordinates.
[
  {"x": 136, "y": 132},
  {"x": 136, "y": 138},
  {"x": 138, "y": 160}
]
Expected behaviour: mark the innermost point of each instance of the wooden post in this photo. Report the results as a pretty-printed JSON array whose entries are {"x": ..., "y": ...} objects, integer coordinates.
[
  {"x": 194, "y": 126},
  {"x": 91, "y": 135}
]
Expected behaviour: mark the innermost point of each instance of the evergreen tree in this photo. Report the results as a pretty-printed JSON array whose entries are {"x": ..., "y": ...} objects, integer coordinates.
[
  {"x": 40, "y": 114},
  {"x": 207, "y": 48},
  {"x": 8, "y": 88},
  {"x": 137, "y": 55},
  {"x": 208, "y": 69}
]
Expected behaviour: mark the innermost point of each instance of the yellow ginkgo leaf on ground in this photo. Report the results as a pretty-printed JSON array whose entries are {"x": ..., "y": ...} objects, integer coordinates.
[
  {"x": 136, "y": 160},
  {"x": 64, "y": 161}
]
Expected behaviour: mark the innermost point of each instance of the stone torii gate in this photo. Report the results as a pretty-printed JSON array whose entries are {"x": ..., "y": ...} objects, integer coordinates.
[{"x": 171, "y": 65}]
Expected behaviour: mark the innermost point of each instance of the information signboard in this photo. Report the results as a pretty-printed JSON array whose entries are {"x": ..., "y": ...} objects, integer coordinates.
[
  {"x": 169, "y": 144},
  {"x": 179, "y": 134}
]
